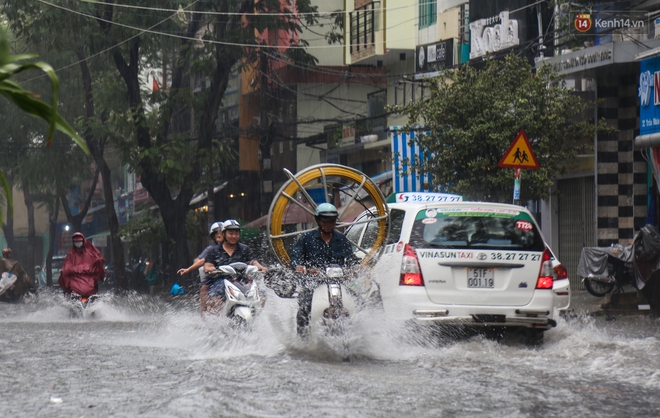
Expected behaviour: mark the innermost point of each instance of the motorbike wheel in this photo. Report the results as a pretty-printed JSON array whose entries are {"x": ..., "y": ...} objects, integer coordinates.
[{"x": 598, "y": 289}]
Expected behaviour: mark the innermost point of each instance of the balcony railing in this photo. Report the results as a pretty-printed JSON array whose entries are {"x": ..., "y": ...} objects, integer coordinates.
[{"x": 362, "y": 27}]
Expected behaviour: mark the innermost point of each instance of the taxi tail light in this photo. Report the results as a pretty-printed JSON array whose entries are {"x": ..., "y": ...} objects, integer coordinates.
[
  {"x": 411, "y": 273},
  {"x": 547, "y": 273},
  {"x": 560, "y": 272}
]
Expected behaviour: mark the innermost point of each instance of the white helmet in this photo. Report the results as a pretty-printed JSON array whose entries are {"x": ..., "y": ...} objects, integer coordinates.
[
  {"x": 231, "y": 224},
  {"x": 215, "y": 227}
]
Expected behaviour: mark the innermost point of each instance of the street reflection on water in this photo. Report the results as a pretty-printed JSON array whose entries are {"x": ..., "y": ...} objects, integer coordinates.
[{"x": 156, "y": 357}]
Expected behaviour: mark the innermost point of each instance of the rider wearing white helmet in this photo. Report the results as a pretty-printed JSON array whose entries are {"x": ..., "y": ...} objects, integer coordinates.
[
  {"x": 229, "y": 252},
  {"x": 318, "y": 249},
  {"x": 215, "y": 232}
]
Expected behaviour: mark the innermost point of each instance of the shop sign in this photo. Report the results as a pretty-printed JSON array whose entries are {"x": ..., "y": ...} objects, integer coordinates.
[
  {"x": 493, "y": 34},
  {"x": 435, "y": 56},
  {"x": 586, "y": 58},
  {"x": 649, "y": 96}
]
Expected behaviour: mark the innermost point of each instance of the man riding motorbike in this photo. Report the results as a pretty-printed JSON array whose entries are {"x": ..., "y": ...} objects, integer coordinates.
[
  {"x": 316, "y": 250},
  {"x": 230, "y": 251},
  {"x": 82, "y": 269}
]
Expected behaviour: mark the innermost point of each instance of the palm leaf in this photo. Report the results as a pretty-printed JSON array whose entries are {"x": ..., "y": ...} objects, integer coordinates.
[
  {"x": 29, "y": 103},
  {"x": 38, "y": 108},
  {"x": 10, "y": 205}
]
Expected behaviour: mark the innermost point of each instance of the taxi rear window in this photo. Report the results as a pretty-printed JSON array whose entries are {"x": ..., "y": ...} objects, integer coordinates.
[{"x": 487, "y": 228}]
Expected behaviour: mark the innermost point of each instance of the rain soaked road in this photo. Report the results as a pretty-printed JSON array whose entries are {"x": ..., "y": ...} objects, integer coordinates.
[{"x": 148, "y": 357}]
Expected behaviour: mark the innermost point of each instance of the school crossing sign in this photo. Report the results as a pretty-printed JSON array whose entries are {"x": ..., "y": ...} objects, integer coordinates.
[{"x": 519, "y": 154}]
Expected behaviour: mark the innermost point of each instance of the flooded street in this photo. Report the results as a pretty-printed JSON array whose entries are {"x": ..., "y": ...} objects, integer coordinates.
[{"x": 141, "y": 356}]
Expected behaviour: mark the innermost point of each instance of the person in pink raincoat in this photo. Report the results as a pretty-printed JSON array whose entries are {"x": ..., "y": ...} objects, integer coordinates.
[{"x": 83, "y": 268}]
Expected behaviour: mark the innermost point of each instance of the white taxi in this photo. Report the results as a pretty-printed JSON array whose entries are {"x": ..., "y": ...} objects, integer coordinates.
[{"x": 474, "y": 264}]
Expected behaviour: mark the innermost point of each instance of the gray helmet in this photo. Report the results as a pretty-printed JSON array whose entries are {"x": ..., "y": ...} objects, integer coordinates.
[
  {"x": 215, "y": 227},
  {"x": 327, "y": 211},
  {"x": 231, "y": 224}
]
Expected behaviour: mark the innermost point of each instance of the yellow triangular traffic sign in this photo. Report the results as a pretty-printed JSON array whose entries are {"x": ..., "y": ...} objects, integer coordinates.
[{"x": 519, "y": 154}]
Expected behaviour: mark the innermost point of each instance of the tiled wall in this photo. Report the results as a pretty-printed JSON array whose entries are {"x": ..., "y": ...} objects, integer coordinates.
[{"x": 621, "y": 185}]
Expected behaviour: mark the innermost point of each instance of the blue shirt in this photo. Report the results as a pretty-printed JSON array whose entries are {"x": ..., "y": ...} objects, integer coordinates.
[
  {"x": 311, "y": 251},
  {"x": 219, "y": 257}
]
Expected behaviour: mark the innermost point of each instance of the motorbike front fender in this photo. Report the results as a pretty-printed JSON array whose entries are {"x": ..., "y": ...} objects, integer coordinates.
[
  {"x": 320, "y": 302},
  {"x": 244, "y": 312}
]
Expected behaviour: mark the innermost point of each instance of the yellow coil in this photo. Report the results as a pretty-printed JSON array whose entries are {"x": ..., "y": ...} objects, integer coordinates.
[{"x": 291, "y": 187}]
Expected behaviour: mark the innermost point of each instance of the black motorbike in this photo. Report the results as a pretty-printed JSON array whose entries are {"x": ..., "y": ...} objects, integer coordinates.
[
  {"x": 607, "y": 269},
  {"x": 619, "y": 274}
]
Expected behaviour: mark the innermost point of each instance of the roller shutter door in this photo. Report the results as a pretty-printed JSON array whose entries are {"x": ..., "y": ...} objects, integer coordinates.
[{"x": 576, "y": 223}]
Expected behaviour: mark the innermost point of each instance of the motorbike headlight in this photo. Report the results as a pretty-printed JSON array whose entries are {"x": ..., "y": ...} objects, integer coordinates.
[
  {"x": 253, "y": 293},
  {"x": 233, "y": 292},
  {"x": 334, "y": 272},
  {"x": 335, "y": 290}
]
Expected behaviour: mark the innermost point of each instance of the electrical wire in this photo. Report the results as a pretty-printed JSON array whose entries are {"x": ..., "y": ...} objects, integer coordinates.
[
  {"x": 141, "y": 30},
  {"x": 211, "y": 41},
  {"x": 109, "y": 48},
  {"x": 316, "y": 70},
  {"x": 210, "y": 13}
]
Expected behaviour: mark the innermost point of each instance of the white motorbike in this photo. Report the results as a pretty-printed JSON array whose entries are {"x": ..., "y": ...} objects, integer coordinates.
[
  {"x": 336, "y": 296},
  {"x": 242, "y": 299},
  {"x": 332, "y": 303}
]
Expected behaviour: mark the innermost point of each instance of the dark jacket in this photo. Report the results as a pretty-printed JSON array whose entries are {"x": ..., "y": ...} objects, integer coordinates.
[
  {"x": 219, "y": 257},
  {"x": 311, "y": 251}
]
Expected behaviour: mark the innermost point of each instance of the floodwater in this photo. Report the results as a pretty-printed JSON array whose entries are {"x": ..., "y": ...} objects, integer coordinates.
[{"x": 151, "y": 357}]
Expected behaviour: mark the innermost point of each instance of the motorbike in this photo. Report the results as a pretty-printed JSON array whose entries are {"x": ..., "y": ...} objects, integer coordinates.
[
  {"x": 80, "y": 306},
  {"x": 619, "y": 275},
  {"x": 242, "y": 298},
  {"x": 336, "y": 296},
  {"x": 604, "y": 269}
]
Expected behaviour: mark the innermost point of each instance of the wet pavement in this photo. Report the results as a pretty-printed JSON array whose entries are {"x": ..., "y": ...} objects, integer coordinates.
[
  {"x": 155, "y": 357},
  {"x": 630, "y": 302}
]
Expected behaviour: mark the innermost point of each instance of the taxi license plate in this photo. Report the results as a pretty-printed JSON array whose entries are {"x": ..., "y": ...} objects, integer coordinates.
[{"x": 481, "y": 278}]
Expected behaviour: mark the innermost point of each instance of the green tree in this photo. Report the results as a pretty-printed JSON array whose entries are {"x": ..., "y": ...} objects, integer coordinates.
[
  {"x": 211, "y": 39},
  {"x": 471, "y": 116}
]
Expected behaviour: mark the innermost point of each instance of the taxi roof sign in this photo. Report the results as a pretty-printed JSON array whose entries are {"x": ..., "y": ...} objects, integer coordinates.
[
  {"x": 520, "y": 154},
  {"x": 423, "y": 197}
]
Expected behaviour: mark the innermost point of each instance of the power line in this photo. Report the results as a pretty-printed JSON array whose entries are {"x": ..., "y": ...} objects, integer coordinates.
[
  {"x": 209, "y": 41},
  {"x": 109, "y": 48},
  {"x": 283, "y": 14}
]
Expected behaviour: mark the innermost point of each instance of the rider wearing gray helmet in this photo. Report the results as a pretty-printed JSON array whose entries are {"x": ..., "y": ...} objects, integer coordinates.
[{"x": 318, "y": 249}]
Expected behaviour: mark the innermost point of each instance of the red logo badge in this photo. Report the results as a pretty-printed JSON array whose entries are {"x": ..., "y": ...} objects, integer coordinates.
[
  {"x": 582, "y": 22},
  {"x": 524, "y": 225}
]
